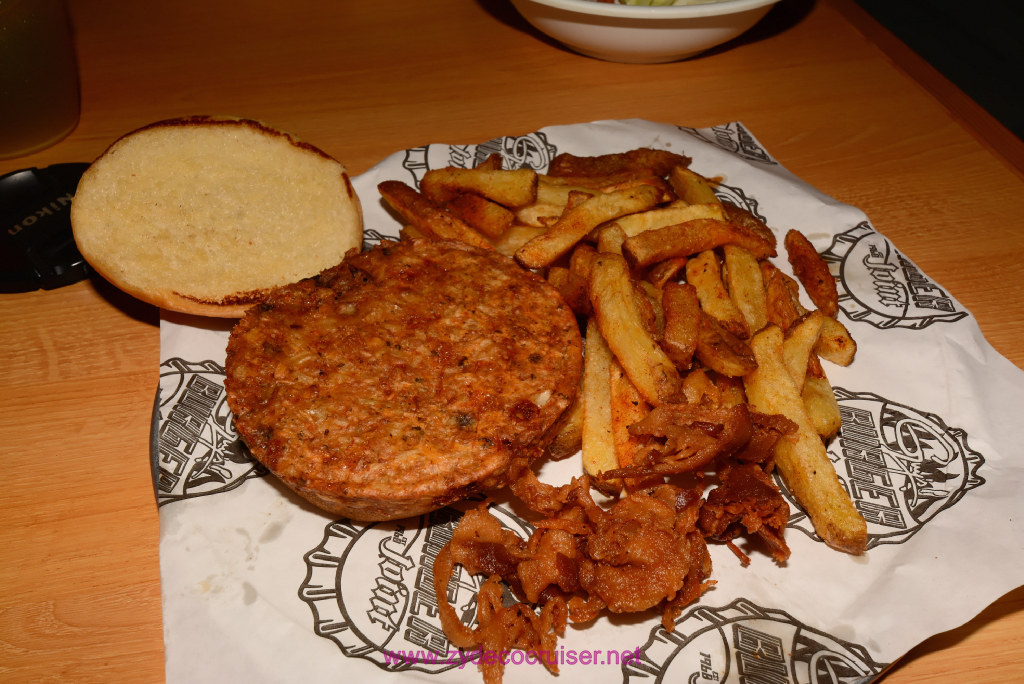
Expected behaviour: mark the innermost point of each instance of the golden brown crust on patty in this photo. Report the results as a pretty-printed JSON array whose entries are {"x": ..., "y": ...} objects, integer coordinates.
[{"x": 408, "y": 377}]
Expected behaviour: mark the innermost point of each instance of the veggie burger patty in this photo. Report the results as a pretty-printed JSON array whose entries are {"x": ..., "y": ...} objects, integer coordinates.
[{"x": 406, "y": 378}]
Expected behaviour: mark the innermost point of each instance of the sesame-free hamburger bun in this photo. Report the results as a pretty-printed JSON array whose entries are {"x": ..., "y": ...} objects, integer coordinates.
[{"x": 205, "y": 215}]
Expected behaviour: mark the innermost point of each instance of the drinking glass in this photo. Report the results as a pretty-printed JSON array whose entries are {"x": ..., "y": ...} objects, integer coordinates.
[{"x": 39, "y": 90}]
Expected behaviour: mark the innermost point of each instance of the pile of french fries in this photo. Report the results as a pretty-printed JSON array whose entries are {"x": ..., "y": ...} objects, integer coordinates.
[{"x": 681, "y": 303}]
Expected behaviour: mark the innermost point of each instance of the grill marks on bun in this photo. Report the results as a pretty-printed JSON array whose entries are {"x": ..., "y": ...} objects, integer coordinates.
[{"x": 205, "y": 215}]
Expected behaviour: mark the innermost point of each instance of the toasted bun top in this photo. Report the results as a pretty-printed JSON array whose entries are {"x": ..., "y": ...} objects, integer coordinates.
[{"x": 204, "y": 215}]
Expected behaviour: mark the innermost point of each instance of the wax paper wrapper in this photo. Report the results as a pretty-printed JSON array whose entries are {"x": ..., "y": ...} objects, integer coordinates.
[{"x": 259, "y": 586}]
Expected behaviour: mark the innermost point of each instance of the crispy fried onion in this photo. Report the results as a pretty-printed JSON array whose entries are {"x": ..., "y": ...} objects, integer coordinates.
[
  {"x": 740, "y": 443},
  {"x": 694, "y": 435},
  {"x": 644, "y": 551},
  {"x": 746, "y": 499}
]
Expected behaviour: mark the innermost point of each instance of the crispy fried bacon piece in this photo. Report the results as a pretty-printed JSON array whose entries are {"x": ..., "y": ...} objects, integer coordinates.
[{"x": 643, "y": 551}]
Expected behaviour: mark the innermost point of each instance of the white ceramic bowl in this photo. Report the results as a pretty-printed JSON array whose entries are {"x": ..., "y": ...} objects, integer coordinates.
[{"x": 642, "y": 34}]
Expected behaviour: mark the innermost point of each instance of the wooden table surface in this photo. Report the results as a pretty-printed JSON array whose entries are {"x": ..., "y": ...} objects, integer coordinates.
[{"x": 839, "y": 102}]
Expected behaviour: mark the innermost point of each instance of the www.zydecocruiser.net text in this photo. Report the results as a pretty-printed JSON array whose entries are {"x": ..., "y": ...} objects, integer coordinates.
[{"x": 558, "y": 656}]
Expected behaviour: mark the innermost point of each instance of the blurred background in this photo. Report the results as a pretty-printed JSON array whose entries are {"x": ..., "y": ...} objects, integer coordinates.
[{"x": 978, "y": 45}]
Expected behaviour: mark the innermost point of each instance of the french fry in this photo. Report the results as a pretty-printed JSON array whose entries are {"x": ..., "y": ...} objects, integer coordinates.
[
  {"x": 574, "y": 224},
  {"x": 664, "y": 272},
  {"x": 799, "y": 343},
  {"x": 782, "y": 309},
  {"x": 704, "y": 272},
  {"x": 578, "y": 285},
  {"x": 613, "y": 299},
  {"x": 427, "y": 217},
  {"x": 802, "y": 341},
  {"x": 610, "y": 238},
  {"x": 801, "y": 456},
  {"x": 800, "y": 351},
  {"x": 509, "y": 188},
  {"x": 698, "y": 386},
  {"x": 487, "y": 217},
  {"x": 596, "y": 437},
  {"x": 669, "y": 215},
  {"x": 822, "y": 407},
  {"x": 627, "y": 408},
  {"x": 410, "y": 233},
  {"x": 592, "y": 184},
  {"x": 575, "y": 199},
  {"x": 515, "y": 237},
  {"x": 573, "y": 282},
  {"x": 730, "y": 389},
  {"x": 812, "y": 271},
  {"x": 744, "y": 218},
  {"x": 692, "y": 237},
  {"x": 649, "y": 301},
  {"x": 555, "y": 192},
  {"x": 682, "y": 323},
  {"x": 568, "y": 439},
  {"x": 820, "y": 401},
  {"x": 643, "y": 160},
  {"x": 540, "y": 215},
  {"x": 835, "y": 343},
  {"x": 691, "y": 187},
  {"x": 667, "y": 195},
  {"x": 558, "y": 278},
  {"x": 721, "y": 351},
  {"x": 746, "y": 286}
]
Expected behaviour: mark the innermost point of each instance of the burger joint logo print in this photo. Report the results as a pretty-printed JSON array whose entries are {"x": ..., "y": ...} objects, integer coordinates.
[
  {"x": 880, "y": 286},
  {"x": 737, "y": 197},
  {"x": 531, "y": 151},
  {"x": 735, "y": 138},
  {"x": 743, "y": 643},
  {"x": 196, "y": 449},
  {"x": 901, "y": 466},
  {"x": 371, "y": 237},
  {"x": 371, "y": 589}
]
